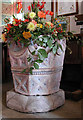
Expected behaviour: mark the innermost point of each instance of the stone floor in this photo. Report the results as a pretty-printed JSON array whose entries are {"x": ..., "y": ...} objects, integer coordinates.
[{"x": 70, "y": 109}]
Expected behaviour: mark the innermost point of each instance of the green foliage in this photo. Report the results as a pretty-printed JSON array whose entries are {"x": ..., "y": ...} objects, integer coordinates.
[
  {"x": 33, "y": 53},
  {"x": 45, "y": 39},
  {"x": 55, "y": 48},
  {"x": 31, "y": 68},
  {"x": 43, "y": 53},
  {"x": 41, "y": 57},
  {"x": 49, "y": 43},
  {"x": 59, "y": 45},
  {"x": 36, "y": 66},
  {"x": 24, "y": 71},
  {"x": 39, "y": 61},
  {"x": 29, "y": 59}
]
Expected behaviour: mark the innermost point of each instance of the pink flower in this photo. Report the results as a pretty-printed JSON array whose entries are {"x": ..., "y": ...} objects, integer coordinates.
[{"x": 34, "y": 22}]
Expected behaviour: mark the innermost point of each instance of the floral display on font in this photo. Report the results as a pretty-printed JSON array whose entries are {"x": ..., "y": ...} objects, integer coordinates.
[{"x": 37, "y": 31}]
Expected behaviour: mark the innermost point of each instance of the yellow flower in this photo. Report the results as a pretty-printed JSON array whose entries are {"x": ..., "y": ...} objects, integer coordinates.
[
  {"x": 32, "y": 15},
  {"x": 31, "y": 26},
  {"x": 58, "y": 21},
  {"x": 26, "y": 35},
  {"x": 39, "y": 25}
]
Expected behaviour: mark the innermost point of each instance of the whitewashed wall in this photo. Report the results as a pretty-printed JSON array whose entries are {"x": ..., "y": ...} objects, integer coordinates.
[
  {"x": 48, "y": 7},
  {"x": 0, "y": 12},
  {"x": 25, "y": 5},
  {"x": 73, "y": 26}
]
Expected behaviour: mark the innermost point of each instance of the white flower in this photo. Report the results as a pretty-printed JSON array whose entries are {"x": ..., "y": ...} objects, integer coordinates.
[
  {"x": 32, "y": 15},
  {"x": 20, "y": 26},
  {"x": 31, "y": 26},
  {"x": 56, "y": 32}
]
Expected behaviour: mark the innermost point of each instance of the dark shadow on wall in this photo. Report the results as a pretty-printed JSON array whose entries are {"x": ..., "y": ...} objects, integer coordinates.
[
  {"x": 0, "y": 62},
  {"x": 71, "y": 77}
]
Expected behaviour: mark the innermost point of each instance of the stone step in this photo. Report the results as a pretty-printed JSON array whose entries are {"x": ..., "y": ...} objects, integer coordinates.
[{"x": 34, "y": 103}]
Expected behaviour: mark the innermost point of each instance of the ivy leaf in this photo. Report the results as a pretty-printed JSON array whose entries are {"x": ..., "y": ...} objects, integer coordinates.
[
  {"x": 40, "y": 57},
  {"x": 31, "y": 68},
  {"x": 13, "y": 16},
  {"x": 27, "y": 44},
  {"x": 45, "y": 39},
  {"x": 23, "y": 71},
  {"x": 60, "y": 36},
  {"x": 15, "y": 38},
  {"x": 49, "y": 43},
  {"x": 39, "y": 61},
  {"x": 29, "y": 59},
  {"x": 33, "y": 53},
  {"x": 43, "y": 53},
  {"x": 36, "y": 66},
  {"x": 52, "y": 38},
  {"x": 60, "y": 47},
  {"x": 44, "y": 44},
  {"x": 54, "y": 49},
  {"x": 41, "y": 43},
  {"x": 32, "y": 36}
]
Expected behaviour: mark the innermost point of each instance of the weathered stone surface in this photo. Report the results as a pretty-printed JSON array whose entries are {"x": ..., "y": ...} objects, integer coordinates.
[
  {"x": 43, "y": 81},
  {"x": 32, "y": 103},
  {"x": 36, "y": 84},
  {"x": 38, "y": 92}
]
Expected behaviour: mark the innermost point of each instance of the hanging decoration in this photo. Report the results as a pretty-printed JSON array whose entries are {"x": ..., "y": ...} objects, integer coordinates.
[{"x": 19, "y": 6}]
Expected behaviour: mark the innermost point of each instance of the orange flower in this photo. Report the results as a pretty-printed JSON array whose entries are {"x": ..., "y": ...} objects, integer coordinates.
[
  {"x": 55, "y": 18},
  {"x": 51, "y": 13},
  {"x": 26, "y": 35},
  {"x": 59, "y": 24},
  {"x": 41, "y": 14}
]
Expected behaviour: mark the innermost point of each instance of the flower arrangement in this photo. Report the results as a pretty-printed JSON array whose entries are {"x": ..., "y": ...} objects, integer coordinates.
[{"x": 35, "y": 30}]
